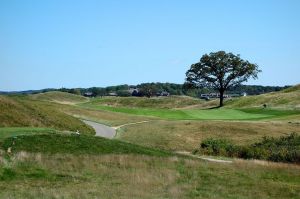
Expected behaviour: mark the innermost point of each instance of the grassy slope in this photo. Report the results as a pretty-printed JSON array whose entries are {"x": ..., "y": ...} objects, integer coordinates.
[
  {"x": 288, "y": 98},
  {"x": 59, "y": 97},
  {"x": 24, "y": 112},
  {"x": 52, "y": 143},
  {"x": 66, "y": 166},
  {"x": 187, "y": 135},
  {"x": 194, "y": 114},
  {"x": 6, "y": 132},
  {"x": 154, "y": 102},
  {"x": 73, "y": 170},
  {"x": 30, "y": 175},
  {"x": 105, "y": 117},
  {"x": 186, "y": 108}
]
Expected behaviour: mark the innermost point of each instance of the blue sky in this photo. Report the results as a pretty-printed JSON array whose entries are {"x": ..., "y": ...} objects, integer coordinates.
[{"x": 61, "y": 43}]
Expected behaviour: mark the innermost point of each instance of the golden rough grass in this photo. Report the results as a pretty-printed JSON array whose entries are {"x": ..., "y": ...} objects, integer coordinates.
[
  {"x": 24, "y": 112},
  {"x": 132, "y": 176},
  {"x": 187, "y": 135},
  {"x": 59, "y": 97},
  {"x": 153, "y": 102}
]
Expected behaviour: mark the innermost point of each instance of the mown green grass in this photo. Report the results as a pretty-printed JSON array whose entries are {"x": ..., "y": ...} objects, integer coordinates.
[
  {"x": 198, "y": 114},
  {"x": 74, "y": 144},
  {"x": 279, "y": 104}
]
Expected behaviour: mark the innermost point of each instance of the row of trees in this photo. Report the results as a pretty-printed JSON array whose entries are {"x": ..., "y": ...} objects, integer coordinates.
[
  {"x": 151, "y": 89},
  {"x": 144, "y": 89}
]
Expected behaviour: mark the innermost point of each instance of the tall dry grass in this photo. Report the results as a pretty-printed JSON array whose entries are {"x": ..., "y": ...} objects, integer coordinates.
[{"x": 135, "y": 176}]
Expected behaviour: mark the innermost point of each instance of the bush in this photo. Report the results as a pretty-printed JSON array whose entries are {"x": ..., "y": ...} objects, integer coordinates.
[
  {"x": 123, "y": 93},
  {"x": 283, "y": 149},
  {"x": 218, "y": 147}
]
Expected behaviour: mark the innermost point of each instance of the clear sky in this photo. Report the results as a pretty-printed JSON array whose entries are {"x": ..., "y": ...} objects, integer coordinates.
[{"x": 61, "y": 43}]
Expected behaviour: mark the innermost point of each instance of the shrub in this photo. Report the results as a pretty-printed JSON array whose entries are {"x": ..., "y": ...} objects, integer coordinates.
[
  {"x": 283, "y": 149},
  {"x": 218, "y": 147}
]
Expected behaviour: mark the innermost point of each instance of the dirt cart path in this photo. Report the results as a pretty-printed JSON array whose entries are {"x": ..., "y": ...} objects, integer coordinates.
[{"x": 101, "y": 130}]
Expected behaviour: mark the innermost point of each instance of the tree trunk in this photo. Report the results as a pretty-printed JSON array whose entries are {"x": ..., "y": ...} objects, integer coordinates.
[{"x": 221, "y": 98}]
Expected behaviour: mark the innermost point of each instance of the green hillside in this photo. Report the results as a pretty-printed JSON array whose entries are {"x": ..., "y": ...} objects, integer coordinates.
[
  {"x": 59, "y": 97},
  {"x": 287, "y": 98},
  {"x": 52, "y": 143},
  {"x": 6, "y": 132},
  {"x": 23, "y": 112},
  {"x": 153, "y": 102}
]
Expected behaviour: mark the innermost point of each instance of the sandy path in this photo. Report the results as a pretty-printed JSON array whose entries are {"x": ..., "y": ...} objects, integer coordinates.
[
  {"x": 101, "y": 129},
  {"x": 203, "y": 158},
  {"x": 133, "y": 123}
]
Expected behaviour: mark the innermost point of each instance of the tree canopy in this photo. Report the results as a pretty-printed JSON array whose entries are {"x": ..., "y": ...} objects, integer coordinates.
[{"x": 220, "y": 70}]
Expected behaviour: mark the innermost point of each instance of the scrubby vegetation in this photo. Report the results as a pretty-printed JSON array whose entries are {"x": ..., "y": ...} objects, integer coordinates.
[{"x": 283, "y": 149}]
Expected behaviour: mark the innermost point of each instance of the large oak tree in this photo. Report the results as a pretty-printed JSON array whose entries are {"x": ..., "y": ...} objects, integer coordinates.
[{"x": 220, "y": 70}]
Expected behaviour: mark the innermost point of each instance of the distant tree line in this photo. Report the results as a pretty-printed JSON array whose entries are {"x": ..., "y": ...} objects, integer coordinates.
[
  {"x": 140, "y": 90},
  {"x": 152, "y": 89}
]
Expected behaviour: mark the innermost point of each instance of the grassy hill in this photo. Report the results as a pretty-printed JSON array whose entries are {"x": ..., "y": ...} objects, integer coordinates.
[
  {"x": 52, "y": 165},
  {"x": 187, "y": 135},
  {"x": 187, "y": 108},
  {"x": 153, "y": 102},
  {"x": 102, "y": 116},
  {"x": 287, "y": 98},
  {"x": 195, "y": 114},
  {"x": 47, "y": 163},
  {"x": 57, "y": 142},
  {"x": 59, "y": 97},
  {"x": 24, "y": 112},
  {"x": 6, "y": 132}
]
